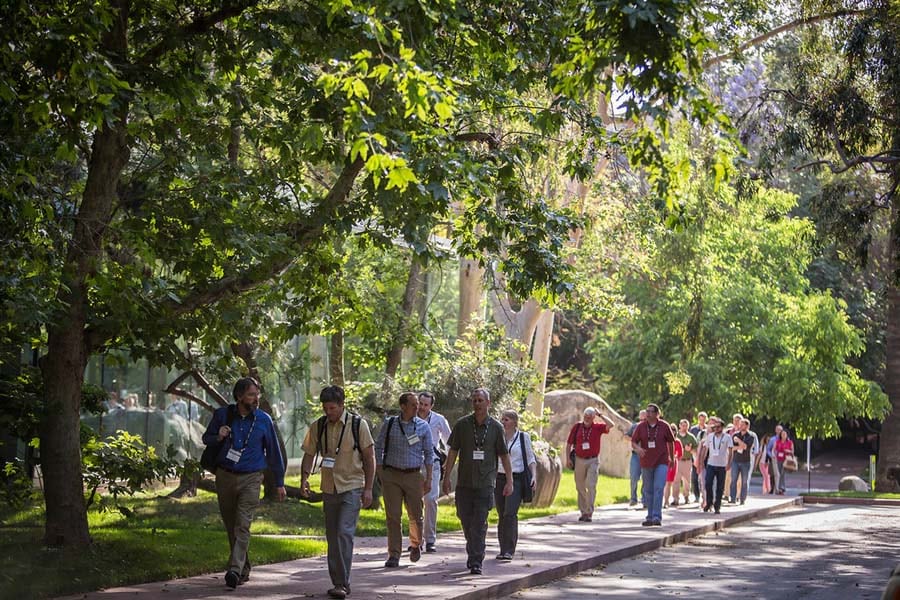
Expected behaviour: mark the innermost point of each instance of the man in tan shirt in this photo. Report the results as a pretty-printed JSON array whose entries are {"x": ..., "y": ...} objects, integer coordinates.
[{"x": 348, "y": 471}]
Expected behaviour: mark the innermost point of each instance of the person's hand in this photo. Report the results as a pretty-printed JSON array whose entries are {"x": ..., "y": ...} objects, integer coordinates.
[
  {"x": 304, "y": 488},
  {"x": 641, "y": 452},
  {"x": 508, "y": 488},
  {"x": 445, "y": 486},
  {"x": 426, "y": 486},
  {"x": 224, "y": 432},
  {"x": 533, "y": 482},
  {"x": 367, "y": 498},
  {"x": 282, "y": 493}
]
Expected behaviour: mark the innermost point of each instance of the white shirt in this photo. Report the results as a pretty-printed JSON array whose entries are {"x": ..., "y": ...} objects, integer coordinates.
[
  {"x": 440, "y": 430},
  {"x": 718, "y": 445},
  {"x": 515, "y": 453}
]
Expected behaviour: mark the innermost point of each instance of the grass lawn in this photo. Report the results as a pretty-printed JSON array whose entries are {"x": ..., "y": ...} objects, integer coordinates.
[
  {"x": 165, "y": 539},
  {"x": 873, "y": 495}
]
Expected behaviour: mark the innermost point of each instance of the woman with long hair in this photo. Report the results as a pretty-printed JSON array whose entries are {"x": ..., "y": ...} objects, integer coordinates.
[{"x": 784, "y": 447}]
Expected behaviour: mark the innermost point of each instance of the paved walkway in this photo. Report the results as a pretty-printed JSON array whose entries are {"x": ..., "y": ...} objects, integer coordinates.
[{"x": 549, "y": 548}]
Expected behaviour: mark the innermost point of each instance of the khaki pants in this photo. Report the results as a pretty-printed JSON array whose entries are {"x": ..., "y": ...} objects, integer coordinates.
[
  {"x": 682, "y": 473},
  {"x": 399, "y": 488},
  {"x": 238, "y": 495},
  {"x": 586, "y": 483}
]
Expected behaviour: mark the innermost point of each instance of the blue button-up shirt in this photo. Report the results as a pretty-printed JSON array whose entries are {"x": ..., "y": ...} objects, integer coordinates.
[
  {"x": 400, "y": 454},
  {"x": 253, "y": 435}
]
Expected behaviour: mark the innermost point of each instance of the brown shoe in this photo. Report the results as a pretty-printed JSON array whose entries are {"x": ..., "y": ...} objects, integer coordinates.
[{"x": 414, "y": 554}]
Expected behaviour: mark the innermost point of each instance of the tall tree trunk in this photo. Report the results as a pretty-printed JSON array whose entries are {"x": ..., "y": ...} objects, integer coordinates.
[
  {"x": 67, "y": 347},
  {"x": 543, "y": 338},
  {"x": 888, "y": 471},
  {"x": 413, "y": 286},
  {"x": 471, "y": 287},
  {"x": 336, "y": 358}
]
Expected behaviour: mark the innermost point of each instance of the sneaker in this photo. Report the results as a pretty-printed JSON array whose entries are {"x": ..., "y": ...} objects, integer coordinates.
[
  {"x": 414, "y": 554},
  {"x": 504, "y": 556},
  {"x": 632, "y": 504},
  {"x": 582, "y": 518},
  {"x": 245, "y": 577},
  {"x": 656, "y": 523},
  {"x": 391, "y": 563},
  {"x": 430, "y": 549},
  {"x": 647, "y": 523},
  {"x": 718, "y": 511},
  {"x": 232, "y": 579},
  {"x": 674, "y": 504},
  {"x": 475, "y": 570},
  {"x": 338, "y": 591}
]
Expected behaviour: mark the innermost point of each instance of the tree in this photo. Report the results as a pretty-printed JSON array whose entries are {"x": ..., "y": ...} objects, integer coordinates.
[
  {"x": 725, "y": 320},
  {"x": 132, "y": 219}
]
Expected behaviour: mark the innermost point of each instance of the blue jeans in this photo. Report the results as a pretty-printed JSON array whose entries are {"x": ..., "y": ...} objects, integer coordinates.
[
  {"x": 635, "y": 472},
  {"x": 341, "y": 515},
  {"x": 742, "y": 469},
  {"x": 653, "y": 480}
]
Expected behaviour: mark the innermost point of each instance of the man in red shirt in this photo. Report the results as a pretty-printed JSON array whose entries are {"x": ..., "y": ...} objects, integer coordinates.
[
  {"x": 584, "y": 441},
  {"x": 655, "y": 445}
]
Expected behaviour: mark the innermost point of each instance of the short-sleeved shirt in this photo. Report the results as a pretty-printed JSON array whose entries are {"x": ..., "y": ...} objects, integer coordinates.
[
  {"x": 742, "y": 456},
  {"x": 581, "y": 435},
  {"x": 654, "y": 440},
  {"x": 468, "y": 437},
  {"x": 688, "y": 439},
  {"x": 348, "y": 473},
  {"x": 718, "y": 446},
  {"x": 516, "y": 460},
  {"x": 782, "y": 449}
]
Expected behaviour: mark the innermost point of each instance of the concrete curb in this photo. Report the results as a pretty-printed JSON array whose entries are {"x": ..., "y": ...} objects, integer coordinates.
[
  {"x": 506, "y": 588},
  {"x": 851, "y": 501}
]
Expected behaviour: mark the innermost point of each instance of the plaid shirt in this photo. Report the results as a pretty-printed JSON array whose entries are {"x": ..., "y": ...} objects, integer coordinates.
[{"x": 400, "y": 454}]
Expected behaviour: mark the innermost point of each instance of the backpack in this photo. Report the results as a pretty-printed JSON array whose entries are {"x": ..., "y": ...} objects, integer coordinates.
[
  {"x": 209, "y": 460},
  {"x": 355, "y": 420}
]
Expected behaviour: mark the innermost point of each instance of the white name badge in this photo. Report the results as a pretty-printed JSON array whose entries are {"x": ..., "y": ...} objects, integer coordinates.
[
  {"x": 585, "y": 445},
  {"x": 233, "y": 455},
  {"x": 477, "y": 454},
  {"x": 719, "y": 451},
  {"x": 328, "y": 463},
  {"x": 412, "y": 439},
  {"x": 651, "y": 445}
]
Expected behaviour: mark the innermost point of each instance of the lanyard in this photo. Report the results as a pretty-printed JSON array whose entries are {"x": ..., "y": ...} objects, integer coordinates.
[
  {"x": 654, "y": 430},
  {"x": 585, "y": 433},
  {"x": 340, "y": 439},
  {"x": 512, "y": 444},
  {"x": 479, "y": 445},
  {"x": 721, "y": 441},
  {"x": 234, "y": 444}
]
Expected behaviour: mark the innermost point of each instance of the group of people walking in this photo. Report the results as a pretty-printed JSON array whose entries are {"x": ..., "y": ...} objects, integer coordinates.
[
  {"x": 671, "y": 462},
  {"x": 412, "y": 456},
  {"x": 414, "y": 453}
]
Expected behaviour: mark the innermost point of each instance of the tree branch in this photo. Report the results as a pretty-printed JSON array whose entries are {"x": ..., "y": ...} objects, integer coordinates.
[
  {"x": 198, "y": 26},
  {"x": 761, "y": 39},
  {"x": 479, "y": 136},
  {"x": 888, "y": 157}
]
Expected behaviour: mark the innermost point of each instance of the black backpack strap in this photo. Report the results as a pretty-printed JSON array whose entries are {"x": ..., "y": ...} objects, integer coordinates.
[
  {"x": 354, "y": 429},
  {"x": 320, "y": 429},
  {"x": 387, "y": 439}
]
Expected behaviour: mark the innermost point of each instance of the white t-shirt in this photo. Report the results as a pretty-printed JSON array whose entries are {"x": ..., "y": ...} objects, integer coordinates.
[
  {"x": 718, "y": 445},
  {"x": 515, "y": 453}
]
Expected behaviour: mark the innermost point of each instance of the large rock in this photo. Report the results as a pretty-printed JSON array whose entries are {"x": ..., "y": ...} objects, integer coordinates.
[
  {"x": 852, "y": 483},
  {"x": 566, "y": 408}
]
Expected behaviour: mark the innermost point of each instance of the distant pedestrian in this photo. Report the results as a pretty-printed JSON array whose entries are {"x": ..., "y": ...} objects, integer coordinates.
[
  {"x": 685, "y": 462},
  {"x": 348, "y": 474},
  {"x": 440, "y": 434},
  {"x": 673, "y": 469},
  {"x": 655, "y": 444},
  {"x": 763, "y": 462},
  {"x": 744, "y": 442},
  {"x": 477, "y": 440},
  {"x": 773, "y": 461},
  {"x": 784, "y": 447},
  {"x": 403, "y": 447},
  {"x": 634, "y": 470},
  {"x": 249, "y": 447},
  {"x": 524, "y": 476},
  {"x": 717, "y": 450},
  {"x": 584, "y": 440}
]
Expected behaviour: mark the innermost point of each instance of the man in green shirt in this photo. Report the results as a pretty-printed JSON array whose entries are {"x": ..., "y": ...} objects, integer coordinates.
[
  {"x": 477, "y": 440},
  {"x": 683, "y": 468}
]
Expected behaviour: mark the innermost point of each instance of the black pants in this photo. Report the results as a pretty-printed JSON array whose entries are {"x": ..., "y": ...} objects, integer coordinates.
[
  {"x": 717, "y": 475},
  {"x": 472, "y": 508},
  {"x": 508, "y": 512},
  {"x": 695, "y": 482}
]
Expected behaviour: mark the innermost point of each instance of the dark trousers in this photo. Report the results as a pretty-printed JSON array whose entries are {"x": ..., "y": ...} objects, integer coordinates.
[
  {"x": 508, "y": 512},
  {"x": 717, "y": 475},
  {"x": 472, "y": 508},
  {"x": 695, "y": 482}
]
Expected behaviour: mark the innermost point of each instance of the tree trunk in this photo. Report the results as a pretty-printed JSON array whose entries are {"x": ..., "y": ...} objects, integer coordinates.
[
  {"x": 888, "y": 470},
  {"x": 543, "y": 338},
  {"x": 413, "y": 286},
  {"x": 471, "y": 285},
  {"x": 336, "y": 358}
]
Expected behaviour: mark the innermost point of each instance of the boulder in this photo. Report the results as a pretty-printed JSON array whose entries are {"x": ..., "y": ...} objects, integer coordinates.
[
  {"x": 566, "y": 408},
  {"x": 852, "y": 483}
]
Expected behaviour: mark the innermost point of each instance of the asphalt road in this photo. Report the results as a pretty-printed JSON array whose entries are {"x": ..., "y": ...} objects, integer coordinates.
[{"x": 826, "y": 552}]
